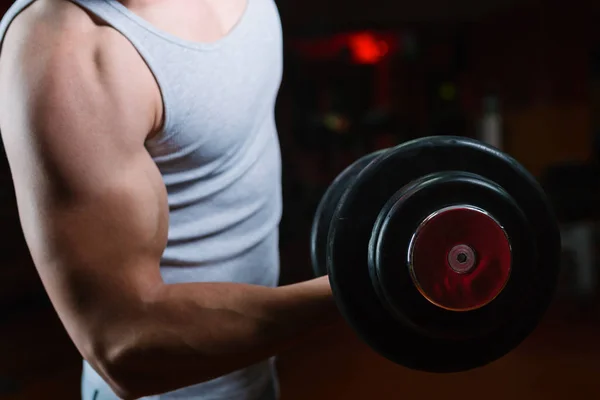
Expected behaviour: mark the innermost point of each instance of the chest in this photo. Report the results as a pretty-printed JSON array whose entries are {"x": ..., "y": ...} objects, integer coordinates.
[
  {"x": 201, "y": 21},
  {"x": 219, "y": 98}
]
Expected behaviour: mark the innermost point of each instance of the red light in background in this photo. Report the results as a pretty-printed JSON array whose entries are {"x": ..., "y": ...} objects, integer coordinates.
[{"x": 366, "y": 48}]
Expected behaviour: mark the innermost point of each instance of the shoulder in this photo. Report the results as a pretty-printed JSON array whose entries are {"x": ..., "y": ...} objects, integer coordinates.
[
  {"x": 55, "y": 50},
  {"x": 59, "y": 27}
]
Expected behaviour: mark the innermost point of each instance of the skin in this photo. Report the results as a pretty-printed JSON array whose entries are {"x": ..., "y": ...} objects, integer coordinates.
[{"x": 77, "y": 104}]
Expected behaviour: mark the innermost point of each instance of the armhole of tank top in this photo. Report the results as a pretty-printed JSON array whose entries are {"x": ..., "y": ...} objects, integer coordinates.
[{"x": 165, "y": 123}]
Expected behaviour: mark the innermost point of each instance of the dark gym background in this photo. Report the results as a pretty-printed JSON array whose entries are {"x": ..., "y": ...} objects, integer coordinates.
[{"x": 362, "y": 75}]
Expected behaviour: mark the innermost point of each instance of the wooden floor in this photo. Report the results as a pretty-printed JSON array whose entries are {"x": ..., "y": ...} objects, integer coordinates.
[{"x": 561, "y": 359}]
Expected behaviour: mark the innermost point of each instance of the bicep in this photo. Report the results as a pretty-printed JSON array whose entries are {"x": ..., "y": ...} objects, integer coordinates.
[{"x": 91, "y": 201}]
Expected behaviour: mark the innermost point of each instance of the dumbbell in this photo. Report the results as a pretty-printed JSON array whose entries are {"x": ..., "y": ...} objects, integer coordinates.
[{"x": 442, "y": 253}]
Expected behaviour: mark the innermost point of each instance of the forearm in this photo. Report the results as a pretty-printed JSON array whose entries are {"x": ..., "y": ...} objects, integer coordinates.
[{"x": 190, "y": 333}]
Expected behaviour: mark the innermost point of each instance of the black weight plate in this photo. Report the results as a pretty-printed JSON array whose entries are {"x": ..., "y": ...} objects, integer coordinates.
[
  {"x": 394, "y": 230},
  {"x": 354, "y": 219},
  {"x": 327, "y": 205}
]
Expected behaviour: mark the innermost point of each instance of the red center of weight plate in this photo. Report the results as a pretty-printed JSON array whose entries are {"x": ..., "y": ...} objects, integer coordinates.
[{"x": 460, "y": 258}]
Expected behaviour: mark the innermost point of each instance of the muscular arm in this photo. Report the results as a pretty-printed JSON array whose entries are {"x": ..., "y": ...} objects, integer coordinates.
[{"x": 75, "y": 111}]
